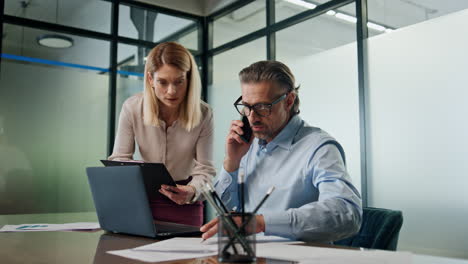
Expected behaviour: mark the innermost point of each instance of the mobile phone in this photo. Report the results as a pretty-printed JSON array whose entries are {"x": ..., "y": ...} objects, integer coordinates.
[{"x": 246, "y": 129}]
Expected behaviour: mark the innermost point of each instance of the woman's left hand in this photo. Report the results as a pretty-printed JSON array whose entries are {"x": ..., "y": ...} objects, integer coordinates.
[{"x": 181, "y": 194}]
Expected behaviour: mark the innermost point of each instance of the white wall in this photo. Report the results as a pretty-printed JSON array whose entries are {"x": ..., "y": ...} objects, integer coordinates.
[
  {"x": 418, "y": 145},
  {"x": 329, "y": 98}
]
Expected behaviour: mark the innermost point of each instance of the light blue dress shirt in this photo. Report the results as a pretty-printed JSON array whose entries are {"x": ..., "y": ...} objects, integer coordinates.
[{"x": 314, "y": 199}]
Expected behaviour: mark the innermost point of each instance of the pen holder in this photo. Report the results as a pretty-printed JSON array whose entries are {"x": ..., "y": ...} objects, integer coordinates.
[{"x": 236, "y": 242}]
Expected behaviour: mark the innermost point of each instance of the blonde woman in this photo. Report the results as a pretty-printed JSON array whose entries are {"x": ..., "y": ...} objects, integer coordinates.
[{"x": 171, "y": 125}]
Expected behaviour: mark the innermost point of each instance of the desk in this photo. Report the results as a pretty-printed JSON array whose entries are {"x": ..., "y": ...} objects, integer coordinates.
[{"x": 91, "y": 247}]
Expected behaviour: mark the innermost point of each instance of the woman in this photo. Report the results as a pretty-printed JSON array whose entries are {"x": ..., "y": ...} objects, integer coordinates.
[{"x": 170, "y": 125}]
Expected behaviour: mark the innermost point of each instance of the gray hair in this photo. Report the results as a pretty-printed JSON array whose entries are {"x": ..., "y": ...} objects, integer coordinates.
[{"x": 275, "y": 72}]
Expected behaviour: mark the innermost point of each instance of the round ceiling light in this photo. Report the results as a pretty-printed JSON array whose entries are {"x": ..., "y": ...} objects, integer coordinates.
[{"x": 55, "y": 41}]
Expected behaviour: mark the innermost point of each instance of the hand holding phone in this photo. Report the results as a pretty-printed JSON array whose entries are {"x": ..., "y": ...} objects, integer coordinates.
[{"x": 246, "y": 129}]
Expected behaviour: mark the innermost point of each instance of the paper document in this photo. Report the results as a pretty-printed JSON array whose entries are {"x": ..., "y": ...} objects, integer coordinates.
[
  {"x": 268, "y": 247},
  {"x": 169, "y": 250},
  {"x": 307, "y": 254},
  {"x": 50, "y": 227},
  {"x": 260, "y": 238}
]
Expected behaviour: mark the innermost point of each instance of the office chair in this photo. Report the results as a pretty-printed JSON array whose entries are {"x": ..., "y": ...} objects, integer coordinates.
[{"x": 379, "y": 230}]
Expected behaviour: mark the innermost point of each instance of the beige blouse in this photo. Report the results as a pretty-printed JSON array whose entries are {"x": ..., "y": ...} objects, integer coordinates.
[{"x": 184, "y": 153}]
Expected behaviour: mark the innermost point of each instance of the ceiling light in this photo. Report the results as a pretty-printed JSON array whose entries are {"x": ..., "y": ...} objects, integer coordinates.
[
  {"x": 376, "y": 26},
  {"x": 55, "y": 41},
  {"x": 302, "y": 3},
  {"x": 346, "y": 17},
  {"x": 339, "y": 15}
]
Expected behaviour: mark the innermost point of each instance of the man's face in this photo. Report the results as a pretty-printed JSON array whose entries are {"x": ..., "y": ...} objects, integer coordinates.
[{"x": 266, "y": 92}]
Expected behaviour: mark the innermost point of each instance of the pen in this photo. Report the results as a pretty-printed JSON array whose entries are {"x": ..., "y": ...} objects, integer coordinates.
[
  {"x": 241, "y": 187},
  {"x": 216, "y": 197},
  {"x": 272, "y": 188}
]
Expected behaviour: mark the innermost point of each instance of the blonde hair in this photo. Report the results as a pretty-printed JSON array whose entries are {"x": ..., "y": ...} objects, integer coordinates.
[{"x": 178, "y": 56}]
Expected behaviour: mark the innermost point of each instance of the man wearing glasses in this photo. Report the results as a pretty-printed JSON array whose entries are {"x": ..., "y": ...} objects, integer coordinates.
[{"x": 314, "y": 198}]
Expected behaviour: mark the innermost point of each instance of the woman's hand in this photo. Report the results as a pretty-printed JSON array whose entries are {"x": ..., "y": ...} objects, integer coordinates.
[{"x": 182, "y": 194}]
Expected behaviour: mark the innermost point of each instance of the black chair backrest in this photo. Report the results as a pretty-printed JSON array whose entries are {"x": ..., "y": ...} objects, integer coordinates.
[{"x": 379, "y": 230}]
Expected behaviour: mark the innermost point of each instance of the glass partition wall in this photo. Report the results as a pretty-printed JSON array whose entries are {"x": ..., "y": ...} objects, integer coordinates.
[
  {"x": 66, "y": 68},
  {"x": 59, "y": 106}
]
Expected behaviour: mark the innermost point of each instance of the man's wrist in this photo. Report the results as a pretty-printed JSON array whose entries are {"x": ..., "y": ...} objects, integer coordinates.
[{"x": 230, "y": 165}]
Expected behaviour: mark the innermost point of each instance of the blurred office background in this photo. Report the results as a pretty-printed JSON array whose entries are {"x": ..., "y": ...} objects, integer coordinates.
[{"x": 393, "y": 94}]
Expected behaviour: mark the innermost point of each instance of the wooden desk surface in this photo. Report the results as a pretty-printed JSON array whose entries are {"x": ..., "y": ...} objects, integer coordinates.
[
  {"x": 91, "y": 247},
  {"x": 70, "y": 247}
]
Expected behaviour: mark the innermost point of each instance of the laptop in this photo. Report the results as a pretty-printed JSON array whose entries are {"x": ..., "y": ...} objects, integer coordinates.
[{"x": 122, "y": 206}]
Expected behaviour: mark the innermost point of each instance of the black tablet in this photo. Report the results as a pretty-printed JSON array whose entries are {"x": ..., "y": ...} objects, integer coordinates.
[{"x": 154, "y": 174}]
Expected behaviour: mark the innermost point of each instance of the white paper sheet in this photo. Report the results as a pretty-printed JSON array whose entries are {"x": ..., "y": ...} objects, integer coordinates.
[
  {"x": 184, "y": 248},
  {"x": 307, "y": 254},
  {"x": 267, "y": 247},
  {"x": 168, "y": 250},
  {"x": 50, "y": 227}
]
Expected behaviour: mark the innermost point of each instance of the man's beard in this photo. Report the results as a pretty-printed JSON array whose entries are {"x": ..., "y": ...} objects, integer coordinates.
[{"x": 265, "y": 135}]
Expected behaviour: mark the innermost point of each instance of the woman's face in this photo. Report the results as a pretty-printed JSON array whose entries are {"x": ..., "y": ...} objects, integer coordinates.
[{"x": 170, "y": 85}]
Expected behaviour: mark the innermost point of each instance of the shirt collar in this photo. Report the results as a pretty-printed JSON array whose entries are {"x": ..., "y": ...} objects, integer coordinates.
[{"x": 285, "y": 137}]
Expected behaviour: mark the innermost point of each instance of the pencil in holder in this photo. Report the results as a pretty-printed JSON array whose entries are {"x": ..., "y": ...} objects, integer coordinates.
[{"x": 236, "y": 242}]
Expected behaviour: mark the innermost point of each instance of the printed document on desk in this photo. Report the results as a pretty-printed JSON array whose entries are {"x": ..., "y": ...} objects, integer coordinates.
[
  {"x": 50, "y": 227},
  {"x": 185, "y": 248},
  {"x": 169, "y": 250},
  {"x": 307, "y": 254}
]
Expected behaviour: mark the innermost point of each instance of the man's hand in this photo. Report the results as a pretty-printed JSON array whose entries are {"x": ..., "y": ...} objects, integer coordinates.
[
  {"x": 211, "y": 228},
  {"x": 235, "y": 146},
  {"x": 181, "y": 194}
]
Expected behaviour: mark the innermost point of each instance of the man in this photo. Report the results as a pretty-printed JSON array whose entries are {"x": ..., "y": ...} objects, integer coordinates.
[{"x": 314, "y": 198}]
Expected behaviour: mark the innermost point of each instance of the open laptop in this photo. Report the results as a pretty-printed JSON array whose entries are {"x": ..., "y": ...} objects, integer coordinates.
[{"x": 122, "y": 205}]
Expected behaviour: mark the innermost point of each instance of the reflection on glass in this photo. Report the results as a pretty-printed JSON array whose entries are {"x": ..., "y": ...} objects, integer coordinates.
[
  {"x": 288, "y": 8},
  {"x": 53, "y": 107},
  {"x": 87, "y": 14},
  {"x": 147, "y": 25},
  {"x": 397, "y": 14},
  {"x": 15, "y": 175},
  {"x": 239, "y": 23},
  {"x": 54, "y": 125},
  {"x": 323, "y": 33},
  {"x": 86, "y": 53}
]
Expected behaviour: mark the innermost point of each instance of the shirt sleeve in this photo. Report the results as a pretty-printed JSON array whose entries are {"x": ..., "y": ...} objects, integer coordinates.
[
  {"x": 336, "y": 215},
  {"x": 124, "y": 145},
  {"x": 226, "y": 188},
  {"x": 203, "y": 170}
]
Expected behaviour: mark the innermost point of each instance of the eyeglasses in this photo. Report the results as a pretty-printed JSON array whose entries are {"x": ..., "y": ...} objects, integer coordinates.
[{"x": 260, "y": 109}]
